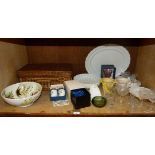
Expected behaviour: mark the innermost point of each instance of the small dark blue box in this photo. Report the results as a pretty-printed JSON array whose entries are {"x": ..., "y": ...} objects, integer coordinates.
[{"x": 80, "y": 98}]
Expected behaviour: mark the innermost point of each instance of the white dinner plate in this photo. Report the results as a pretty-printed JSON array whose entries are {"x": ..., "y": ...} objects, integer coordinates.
[
  {"x": 86, "y": 78},
  {"x": 107, "y": 55}
]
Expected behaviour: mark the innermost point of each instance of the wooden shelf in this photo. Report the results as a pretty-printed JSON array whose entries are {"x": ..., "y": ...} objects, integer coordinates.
[
  {"x": 79, "y": 41},
  {"x": 43, "y": 107}
]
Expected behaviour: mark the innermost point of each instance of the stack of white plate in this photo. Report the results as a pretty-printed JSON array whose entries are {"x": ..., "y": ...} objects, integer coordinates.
[
  {"x": 107, "y": 55},
  {"x": 104, "y": 55}
]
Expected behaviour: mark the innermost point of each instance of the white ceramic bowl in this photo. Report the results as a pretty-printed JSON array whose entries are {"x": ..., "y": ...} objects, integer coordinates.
[{"x": 29, "y": 93}]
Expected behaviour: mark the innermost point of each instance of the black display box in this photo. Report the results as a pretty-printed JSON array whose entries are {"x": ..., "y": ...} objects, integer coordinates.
[{"x": 80, "y": 98}]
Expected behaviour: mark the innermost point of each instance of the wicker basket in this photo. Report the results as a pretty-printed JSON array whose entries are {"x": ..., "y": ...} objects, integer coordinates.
[{"x": 45, "y": 74}]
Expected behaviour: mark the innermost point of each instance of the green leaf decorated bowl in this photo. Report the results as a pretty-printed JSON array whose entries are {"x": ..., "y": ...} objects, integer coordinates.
[{"x": 22, "y": 94}]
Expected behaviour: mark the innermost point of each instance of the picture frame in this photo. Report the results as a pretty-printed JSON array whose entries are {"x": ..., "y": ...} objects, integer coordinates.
[{"x": 108, "y": 71}]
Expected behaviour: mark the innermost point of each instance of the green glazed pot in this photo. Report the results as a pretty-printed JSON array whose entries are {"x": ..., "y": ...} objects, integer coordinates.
[{"x": 99, "y": 101}]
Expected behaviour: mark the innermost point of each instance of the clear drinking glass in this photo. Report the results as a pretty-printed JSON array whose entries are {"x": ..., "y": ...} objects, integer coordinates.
[
  {"x": 122, "y": 89},
  {"x": 122, "y": 86},
  {"x": 134, "y": 104}
]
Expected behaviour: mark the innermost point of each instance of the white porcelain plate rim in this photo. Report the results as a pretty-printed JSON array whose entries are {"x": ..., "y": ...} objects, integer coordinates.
[{"x": 121, "y": 65}]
